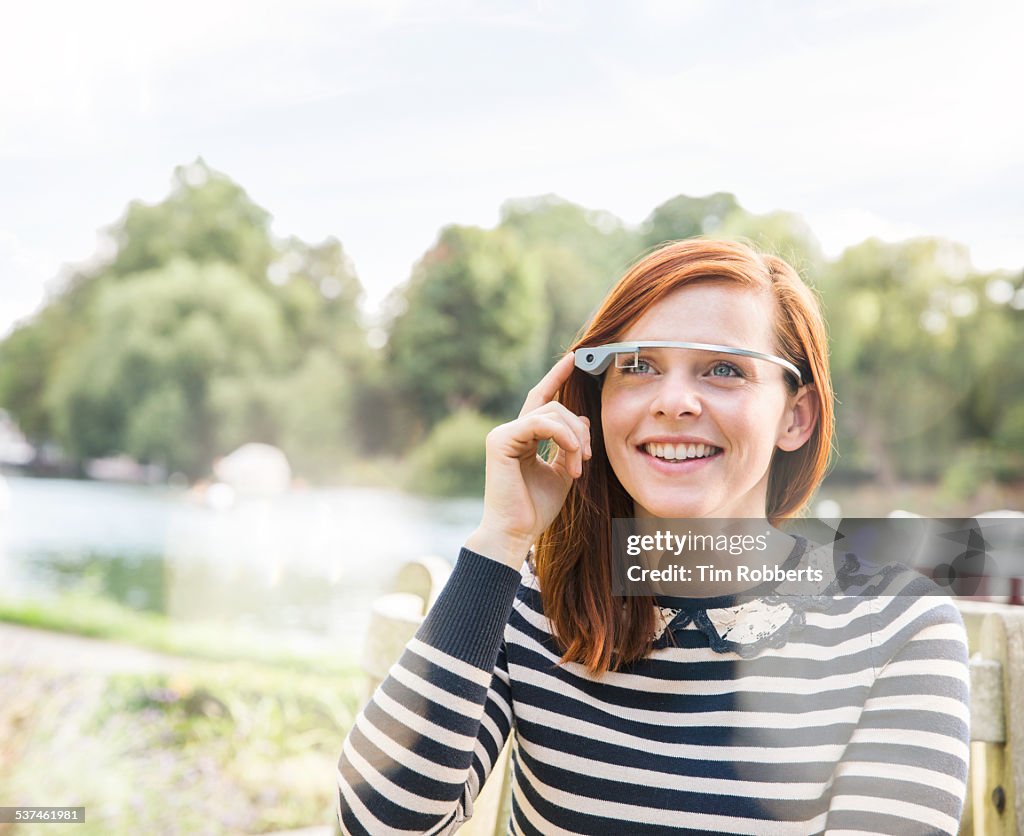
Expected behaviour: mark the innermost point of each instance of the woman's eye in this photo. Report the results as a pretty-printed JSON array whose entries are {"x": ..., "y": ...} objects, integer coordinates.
[
  {"x": 723, "y": 369},
  {"x": 640, "y": 367}
]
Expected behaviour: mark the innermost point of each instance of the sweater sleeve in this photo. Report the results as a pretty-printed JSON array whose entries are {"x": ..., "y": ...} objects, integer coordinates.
[
  {"x": 905, "y": 769},
  {"x": 421, "y": 749}
]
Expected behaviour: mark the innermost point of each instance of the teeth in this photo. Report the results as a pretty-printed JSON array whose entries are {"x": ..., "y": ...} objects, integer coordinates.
[{"x": 678, "y": 452}]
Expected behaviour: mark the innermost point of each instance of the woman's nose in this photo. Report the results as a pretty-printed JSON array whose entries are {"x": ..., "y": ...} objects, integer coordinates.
[{"x": 676, "y": 395}]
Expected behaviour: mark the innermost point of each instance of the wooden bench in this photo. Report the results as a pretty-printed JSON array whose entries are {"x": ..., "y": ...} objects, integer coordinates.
[{"x": 995, "y": 797}]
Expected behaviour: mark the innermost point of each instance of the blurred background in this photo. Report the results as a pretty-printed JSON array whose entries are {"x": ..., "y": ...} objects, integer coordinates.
[{"x": 270, "y": 273}]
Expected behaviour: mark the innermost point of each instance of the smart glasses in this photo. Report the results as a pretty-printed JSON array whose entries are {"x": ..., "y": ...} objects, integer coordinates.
[{"x": 596, "y": 359}]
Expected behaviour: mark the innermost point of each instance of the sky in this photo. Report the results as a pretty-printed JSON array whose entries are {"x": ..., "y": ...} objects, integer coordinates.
[{"x": 380, "y": 121}]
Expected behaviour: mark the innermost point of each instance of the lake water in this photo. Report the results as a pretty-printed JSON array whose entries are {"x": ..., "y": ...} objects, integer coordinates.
[{"x": 305, "y": 564}]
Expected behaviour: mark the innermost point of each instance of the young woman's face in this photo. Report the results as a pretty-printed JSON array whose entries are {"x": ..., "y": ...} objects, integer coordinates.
[{"x": 739, "y": 408}]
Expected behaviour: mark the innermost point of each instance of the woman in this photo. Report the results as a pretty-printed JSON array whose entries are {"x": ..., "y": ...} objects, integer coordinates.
[{"x": 736, "y": 710}]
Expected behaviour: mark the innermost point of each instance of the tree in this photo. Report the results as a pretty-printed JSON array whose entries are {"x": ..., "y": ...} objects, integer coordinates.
[
  {"x": 196, "y": 335},
  {"x": 207, "y": 217},
  {"x": 580, "y": 254},
  {"x": 28, "y": 357},
  {"x": 685, "y": 217},
  {"x": 319, "y": 295},
  {"x": 779, "y": 233},
  {"x": 468, "y": 329},
  {"x": 173, "y": 364},
  {"x": 900, "y": 377}
]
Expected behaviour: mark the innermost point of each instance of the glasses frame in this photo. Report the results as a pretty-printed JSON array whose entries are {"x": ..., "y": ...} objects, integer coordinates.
[{"x": 595, "y": 360}]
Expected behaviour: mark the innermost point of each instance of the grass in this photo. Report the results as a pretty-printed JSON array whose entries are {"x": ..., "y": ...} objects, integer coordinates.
[
  {"x": 86, "y": 614},
  {"x": 247, "y": 749},
  {"x": 242, "y": 736}
]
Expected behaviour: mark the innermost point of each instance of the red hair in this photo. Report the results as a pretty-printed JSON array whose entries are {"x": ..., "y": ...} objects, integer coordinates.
[{"x": 573, "y": 556}]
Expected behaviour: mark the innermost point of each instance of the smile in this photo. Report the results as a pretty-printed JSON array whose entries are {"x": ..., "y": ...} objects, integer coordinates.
[
  {"x": 681, "y": 452},
  {"x": 681, "y": 466}
]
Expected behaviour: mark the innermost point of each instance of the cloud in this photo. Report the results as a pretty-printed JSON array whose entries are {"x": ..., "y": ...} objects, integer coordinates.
[{"x": 381, "y": 120}]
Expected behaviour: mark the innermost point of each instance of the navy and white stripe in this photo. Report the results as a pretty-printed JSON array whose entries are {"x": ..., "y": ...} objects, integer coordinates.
[{"x": 859, "y": 723}]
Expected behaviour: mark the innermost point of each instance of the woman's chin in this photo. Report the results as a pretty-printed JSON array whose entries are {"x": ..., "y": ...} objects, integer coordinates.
[{"x": 675, "y": 510}]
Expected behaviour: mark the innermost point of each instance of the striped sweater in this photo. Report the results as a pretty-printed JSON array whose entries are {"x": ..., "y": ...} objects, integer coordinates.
[{"x": 848, "y": 715}]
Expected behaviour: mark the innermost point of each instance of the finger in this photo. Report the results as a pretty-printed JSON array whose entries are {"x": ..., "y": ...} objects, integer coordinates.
[
  {"x": 579, "y": 423},
  {"x": 563, "y": 463},
  {"x": 590, "y": 444},
  {"x": 573, "y": 457},
  {"x": 520, "y": 437},
  {"x": 569, "y": 461},
  {"x": 548, "y": 386},
  {"x": 570, "y": 448}
]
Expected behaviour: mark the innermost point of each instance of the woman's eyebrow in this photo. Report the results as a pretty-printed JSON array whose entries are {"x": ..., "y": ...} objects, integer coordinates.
[
  {"x": 748, "y": 365},
  {"x": 696, "y": 351},
  {"x": 726, "y": 342}
]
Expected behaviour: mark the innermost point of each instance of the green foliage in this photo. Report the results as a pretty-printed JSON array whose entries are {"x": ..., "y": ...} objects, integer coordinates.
[
  {"x": 383, "y": 420},
  {"x": 580, "y": 254},
  {"x": 153, "y": 427},
  {"x": 780, "y": 233},
  {"x": 145, "y": 379},
  {"x": 315, "y": 409},
  {"x": 319, "y": 294},
  {"x": 207, "y": 217},
  {"x": 450, "y": 462},
  {"x": 1009, "y": 435},
  {"x": 468, "y": 328},
  {"x": 685, "y": 217},
  {"x": 973, "y": 466},
  {"x": 199, "y": 334},
  {"x": 572, "y": 292},
  {"x": 601, "y": 242},
  {"x": 93, "y": 614},
  {"x": 925, "y": 364},
  {"x": 27, "y": 360},
  {"x": 238, "y": 749},
  {"x": 202, "y": 332}
]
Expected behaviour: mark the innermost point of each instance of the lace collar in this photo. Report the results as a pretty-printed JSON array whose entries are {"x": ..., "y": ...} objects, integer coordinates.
[{"x": 765, "y": 617}]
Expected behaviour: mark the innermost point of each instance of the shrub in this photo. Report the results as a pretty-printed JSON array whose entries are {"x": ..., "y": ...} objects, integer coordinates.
[
  {"x": 974, "y": 466},
  {"x": 450, "y": 461}
]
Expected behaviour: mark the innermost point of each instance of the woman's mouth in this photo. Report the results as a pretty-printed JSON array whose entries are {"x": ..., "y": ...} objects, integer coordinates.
[{"x": 679, "y": 458}]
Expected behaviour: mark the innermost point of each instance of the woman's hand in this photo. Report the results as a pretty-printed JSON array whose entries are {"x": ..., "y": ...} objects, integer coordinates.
[{"x": 522, "y": 492}]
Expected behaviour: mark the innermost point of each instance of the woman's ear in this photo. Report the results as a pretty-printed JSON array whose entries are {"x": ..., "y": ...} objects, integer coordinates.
[{"x": 799, "y": 419}]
